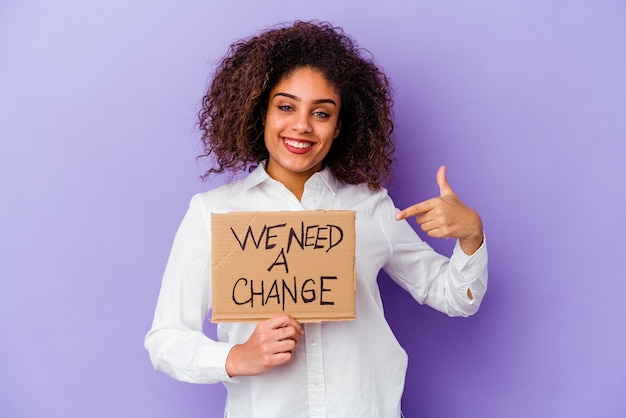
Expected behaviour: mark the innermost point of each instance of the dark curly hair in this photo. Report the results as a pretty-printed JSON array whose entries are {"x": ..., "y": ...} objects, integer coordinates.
[{"x": 237, "y": 98}]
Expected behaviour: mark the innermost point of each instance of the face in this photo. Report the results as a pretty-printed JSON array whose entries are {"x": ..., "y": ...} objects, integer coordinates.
[{"x": 301, "y": 123}]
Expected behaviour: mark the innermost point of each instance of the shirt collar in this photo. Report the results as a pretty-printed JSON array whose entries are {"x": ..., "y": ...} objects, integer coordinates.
[
  {"x": 256, "y": 176},
  {"x": 325, "y": 176}
]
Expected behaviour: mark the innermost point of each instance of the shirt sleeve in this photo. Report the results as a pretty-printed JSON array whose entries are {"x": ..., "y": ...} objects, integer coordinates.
[
  {"x": 176, "y": 342},
  {"x": 431, "y": 278}
]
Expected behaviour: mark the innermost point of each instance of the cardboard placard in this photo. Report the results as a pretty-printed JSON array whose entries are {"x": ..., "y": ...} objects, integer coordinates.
[{"x": 296, "y": 262}]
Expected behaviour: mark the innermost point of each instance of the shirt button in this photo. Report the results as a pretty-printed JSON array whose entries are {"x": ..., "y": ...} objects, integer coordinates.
[
  {"x": 314, "y": 343},
  {"x": 316, "y": 383}
]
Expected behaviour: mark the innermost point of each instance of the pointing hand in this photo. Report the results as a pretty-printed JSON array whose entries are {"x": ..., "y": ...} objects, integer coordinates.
[{"x": 446, "y": 216}]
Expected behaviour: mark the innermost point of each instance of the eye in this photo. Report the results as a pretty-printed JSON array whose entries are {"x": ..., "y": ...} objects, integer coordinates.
[
  {"x": 285, "y": 108},
  {"x": 322, "y": 115}
]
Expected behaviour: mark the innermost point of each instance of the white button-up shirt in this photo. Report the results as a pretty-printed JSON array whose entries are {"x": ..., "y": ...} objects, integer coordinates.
[{"x": 339, "y": 369}]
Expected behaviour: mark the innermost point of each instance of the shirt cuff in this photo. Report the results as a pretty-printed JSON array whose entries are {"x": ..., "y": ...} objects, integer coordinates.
[
  {"x": 211, "y": 364},
  {"x": 471, "y": 266}
]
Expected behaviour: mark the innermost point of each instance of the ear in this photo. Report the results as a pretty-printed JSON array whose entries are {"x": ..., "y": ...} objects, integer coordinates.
[{"x": 337, "y": 129}]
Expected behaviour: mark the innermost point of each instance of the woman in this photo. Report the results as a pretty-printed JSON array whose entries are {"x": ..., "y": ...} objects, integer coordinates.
[{"x": 309, "y": 114}]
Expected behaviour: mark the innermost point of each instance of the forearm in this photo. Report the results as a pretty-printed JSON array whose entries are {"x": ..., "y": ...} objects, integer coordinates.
[
  {"x": 468, "y": 278},
  {"x": 188, "y": 356}
]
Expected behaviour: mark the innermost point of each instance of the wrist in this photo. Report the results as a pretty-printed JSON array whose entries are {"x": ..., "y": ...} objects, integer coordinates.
[
  {"x": 471, "y": 243},
  {"x": 231, "y": 361}
]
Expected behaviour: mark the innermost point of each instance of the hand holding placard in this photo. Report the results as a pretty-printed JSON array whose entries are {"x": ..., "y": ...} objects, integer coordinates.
[{"x": 270, "y": 345}]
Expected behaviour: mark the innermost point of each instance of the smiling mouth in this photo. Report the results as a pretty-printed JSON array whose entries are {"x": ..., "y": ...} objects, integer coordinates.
[{"x": 298, "y": 144}]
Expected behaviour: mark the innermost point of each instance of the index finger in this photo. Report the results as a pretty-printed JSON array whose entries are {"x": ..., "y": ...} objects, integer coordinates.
[{"x": 415, "y": 210}]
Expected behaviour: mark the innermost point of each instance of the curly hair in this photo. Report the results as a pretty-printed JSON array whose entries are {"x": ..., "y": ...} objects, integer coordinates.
[{"x": 231, "y": 118}]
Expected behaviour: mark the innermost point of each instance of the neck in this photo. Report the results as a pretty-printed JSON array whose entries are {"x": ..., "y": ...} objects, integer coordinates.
[{"x": 293, "y": 183}]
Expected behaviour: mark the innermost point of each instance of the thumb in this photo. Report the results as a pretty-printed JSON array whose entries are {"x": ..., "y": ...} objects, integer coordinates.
[{"x": 442, "y": 182}]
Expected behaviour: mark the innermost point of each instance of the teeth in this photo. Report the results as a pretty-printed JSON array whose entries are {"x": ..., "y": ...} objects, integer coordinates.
[{"x": 298, "y": 144}]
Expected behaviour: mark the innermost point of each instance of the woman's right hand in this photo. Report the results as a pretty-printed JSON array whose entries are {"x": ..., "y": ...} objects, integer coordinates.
[{"x": 271, "y": 344}]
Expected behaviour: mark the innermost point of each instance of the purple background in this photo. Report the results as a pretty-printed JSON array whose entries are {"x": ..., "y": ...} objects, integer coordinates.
[{"x": 524, "y": 101}]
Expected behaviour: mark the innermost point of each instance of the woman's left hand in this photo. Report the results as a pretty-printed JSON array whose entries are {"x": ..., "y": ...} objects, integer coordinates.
[{"x": 447, "y": 216}]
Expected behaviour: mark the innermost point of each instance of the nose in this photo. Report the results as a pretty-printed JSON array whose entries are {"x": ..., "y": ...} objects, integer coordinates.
[{"x": 301, "y": 123}]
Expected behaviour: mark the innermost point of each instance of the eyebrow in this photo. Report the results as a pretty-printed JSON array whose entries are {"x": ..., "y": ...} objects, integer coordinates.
[{"x": 318, "y": 101}]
